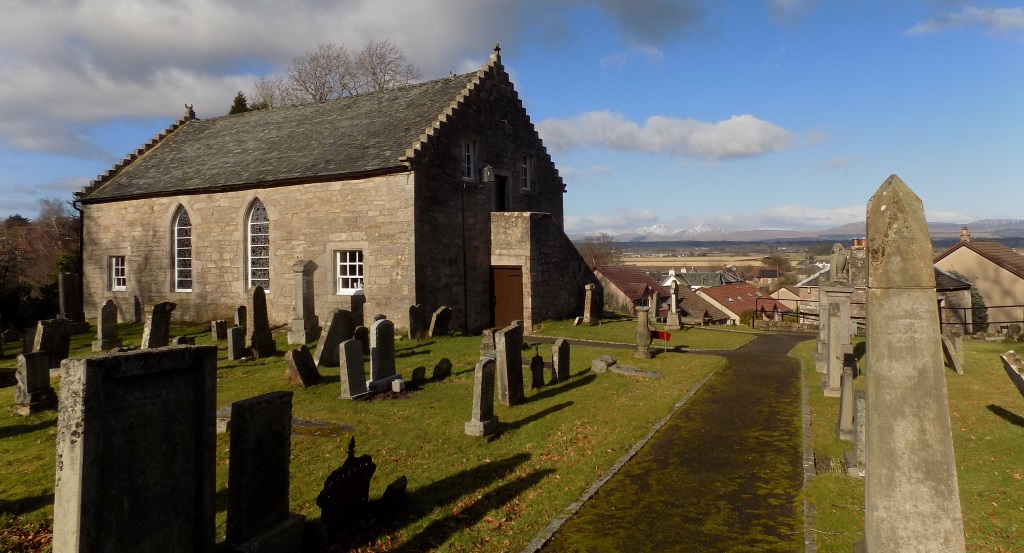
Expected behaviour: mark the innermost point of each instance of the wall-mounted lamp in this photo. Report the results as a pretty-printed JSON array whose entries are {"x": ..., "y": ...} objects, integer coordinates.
[{"x": 488, "y": 174}]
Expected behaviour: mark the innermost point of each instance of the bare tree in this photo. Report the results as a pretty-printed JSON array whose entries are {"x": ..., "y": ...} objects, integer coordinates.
[
  {"x": 321, "y": 75},
  {"x": 270, "y": 93},
  {"x": 383, "y": 66},
  {"x": 599, "y": 249}
]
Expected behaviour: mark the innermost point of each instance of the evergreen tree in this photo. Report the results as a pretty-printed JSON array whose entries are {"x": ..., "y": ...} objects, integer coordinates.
[{"x": 241, "y": 105}]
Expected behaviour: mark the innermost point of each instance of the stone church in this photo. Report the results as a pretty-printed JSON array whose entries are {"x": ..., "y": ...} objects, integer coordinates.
[{"x": 438, "y": 193}]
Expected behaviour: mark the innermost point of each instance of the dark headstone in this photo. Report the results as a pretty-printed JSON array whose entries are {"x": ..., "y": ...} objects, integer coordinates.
[
  {"x": 156, "y": 332},
  {"x": 54, "y": 337},
  {"x": 338, "y": 329},
  {"x": 482, "y": 420},
  {"x": 241, "y": 316},
  {"x": 353, "y": 377},
  {"x": 442, "y": 370},
  {"x": 346, "y": 494},
  {"x": 378, "y": 317},
  {"x": 419, "y": 375},
  {"x": 417, "y": 321},
  {"x": 236, "y": 343},
  {"x": 537, "y": 371},
  {"x": 439, "y": 322},
  {"x": 560, "y": 360},
  {"x": 362, "y": 335},
  {"x": 508, "y": 344},
  {"x": 70, "y": 297},
  {"x": 260, "y": 339},
  {"x": 32, "y": 392},
  {"x": 219, "y": 330},
  {"x": 382, "y": 349},
  {"x": 106, "y": 328},
  {"x": 136, "y": 452},
  {"x": 300, "y": 368},
  {"x": 184, "y": 341}
]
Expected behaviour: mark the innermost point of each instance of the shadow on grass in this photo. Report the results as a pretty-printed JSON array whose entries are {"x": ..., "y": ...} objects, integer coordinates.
[
  {"x": 515, "y": 425},
  {"x": 11, "y": 431},
  {"x": 25, "y": 504},
  {"x": 559, "y": 388},
  {"x": 220, "y": 500},
  {"x": 1012, "y": 418}
]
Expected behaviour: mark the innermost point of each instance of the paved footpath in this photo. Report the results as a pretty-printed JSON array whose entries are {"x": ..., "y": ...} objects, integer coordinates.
[{"x": 724, "y": 474}]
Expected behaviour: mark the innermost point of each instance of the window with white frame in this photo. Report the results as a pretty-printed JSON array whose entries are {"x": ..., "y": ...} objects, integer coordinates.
[
  {"x": 468, "y": 160},
  {"x": 527, "y": 172},
  {"x": 350, "y": 271},
  {"x": 182, "y": 252},
  {"x": 118, "y": 274},
  {"x": 259, "y": 246}
]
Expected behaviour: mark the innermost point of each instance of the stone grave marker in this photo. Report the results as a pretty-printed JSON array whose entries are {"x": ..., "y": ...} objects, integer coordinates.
[
  {"x": 417, "y": 321},
  {"x": 345, "y": 497},
  {"x": 362, "y": 335},
  {"x": 353, "y": 377},
  {"x": 339, "y": 328},
  {"x": 560, "y": 361},
  {"x": 156, "y": 332},
  {"x": 136, "y": 452},
  {"x": 439, "y": 322},
  {"x": 419, "y": 375},
  {"x": 382, "y": 349},
  {"x": 241, "y": 314},
  {"x": 537, "y": 371},
  {"x": 258, "y": 518},
  {"x": 643, "y": 333},
  {"x": 482, "y": 420},
  {"x": 588, "y": 305},
  {"x": 846, "y": 406},
  {"x": 305, "y": 325},
  {"x": 260, "y": 338},
  {"x": 69, "y": 289},
  {"x": 184, "y": 341},
  {"x": 137, "y": 310},
  {"x": 952, "y": 348},
  {"x": 487, "y": 341},
  {"x": 53, "y": 336},
  {"x": 830, "y": 384},
  {"x": 442, "y": 370},
  {"x": 508, "y": 344},
  {"x": 855, "y": 458},
  {"x": 300, "y": 368},
  {"x": 219, "y": 330},
  {"x": 602, "y": 364},
  {"x": 909, "y": 440},
  {"x": 1014, "y": 368},
  {"x": 32, "y": 391},
  {"x": 236, "y": 343},
  {"x": 672, "y": 320},
  {"x": 106, "y": 328},
  {"x": 378, "y": 317}
]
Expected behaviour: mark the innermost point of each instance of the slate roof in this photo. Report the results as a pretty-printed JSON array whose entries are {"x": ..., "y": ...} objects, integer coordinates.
[
  {"x": 741, "y": 297},
  {"x": 348, "y": 137},
  {"x": 945, "y": 282},
  {"x": 716, "y": 278},
  {"x": 992, "y": 251},
  {"x": 762, "y": 272}
]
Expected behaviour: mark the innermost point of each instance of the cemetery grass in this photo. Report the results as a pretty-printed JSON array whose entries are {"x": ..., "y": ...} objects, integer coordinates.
[
  {"x": 622, "y": 328},
  {"x": 987, "y": 416},
  {"x": 464, "y": 493}
]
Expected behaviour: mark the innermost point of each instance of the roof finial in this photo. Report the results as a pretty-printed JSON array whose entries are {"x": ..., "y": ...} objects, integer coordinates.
[
  {"x": 189, "y": 113},
  {"x": 497, "y": 48}
]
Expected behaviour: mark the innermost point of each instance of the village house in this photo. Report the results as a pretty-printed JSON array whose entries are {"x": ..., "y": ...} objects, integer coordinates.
[
  {"x": 627, "y": 287},
  {"x": 996, "y": 271},
  {"x": 438, "y": 193},
  {"x": 735, "y": 299}
]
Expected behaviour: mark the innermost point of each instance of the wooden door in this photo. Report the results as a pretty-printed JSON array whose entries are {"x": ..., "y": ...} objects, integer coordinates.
[{"x": 507, "y": 298}]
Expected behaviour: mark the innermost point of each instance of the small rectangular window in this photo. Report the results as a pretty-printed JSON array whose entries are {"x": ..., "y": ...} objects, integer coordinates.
[
  {"x": 527, "y": 173},
  {"x": 118, "y": 274},
  {"x": 350, "y": 271},
  {"x": 468, "y": 161}
]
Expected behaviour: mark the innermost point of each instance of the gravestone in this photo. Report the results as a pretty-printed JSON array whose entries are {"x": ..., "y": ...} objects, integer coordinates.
[
  {"x": 53, "y": 336},
  {"x": 236, "y": 343},
  {"x": 419, "y": 375},
  {"x": 137, "y": 310},
  {"x": 260, "y": 338},
  {"x": 136, "y": 452},
  {"x": 560, "y": 361},
  {"x": 830, "y": 384},
  {"x": 258, "y": 517},
  {"x": 69, "y": 286},
  {"x": 156, "y": 332},
  {"x": 487, "y": 341},
  {"x": 362, "y": 335},
  {"x": 1014, "y": 368},
  {"x": 952, "y": 348},
  {"x": 537, "y": 371},
  {"x": 442, "y": 370},
  {"x": 846, "y": 406},
  {"x": 508, "y": 345},
  {"x": 482, "y": 420},
  {"x": 184, "y": 341},
  {"x": 602, "y": 364},
  {"x": 672, "y": 320},
  {"x": 353, "y": 377},
  {"x": 855, "y": 459},
  {"x": 305, "y": 325},
  {"x": 32, "y": 391},
  {"x": 106, "y": 328},
  {"x": 345, "y": 497},
  {"x": 219, "y": 330},
  {"x": 588, "y": 305},
  {"x": 300, "y": 368},
  {"x": 378, "y": 317},
  {"x": 643, "y": 333},
  {"x": 439, "y": 322},
  {"x": 382, "y": 349},
  {"x": 417, "y": 321},
  {"x": 338, "y": 329},
  {"x": 241, "y": 314},
  {"x": 909, "y": 440}
]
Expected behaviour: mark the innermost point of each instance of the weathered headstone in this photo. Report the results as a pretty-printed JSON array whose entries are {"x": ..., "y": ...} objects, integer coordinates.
[
  {"x": 378, "y": 317},
  {"x": 258, "y": 518},
  {"x": 508, "y": 345},
  {"x": 241, "y": 316},
  {"x": 855, "y": 459},
  {"x": 442, "y": 370},
  {"x": 69, "y": 286},
  {"x": 346, "y": 494},
  {"x": 846, "y": 406},
  {"x": 952, "y": 348},
  {"x": 137, "y": 310},
  {"x": 1014, "y": 368},
  {"x": 106, "y": 328},
  {"x": 32, "y": 391},
  {"x": 156, "y": 332},
  {"x": 672, "y": 319},
  {"x": 911, "y": 490},
  {"x": 260, "y": 338},
  {"x": 184, "y": 341},
  {"x": 537, "y": 371},
  {"x": 362, "y": 335},
  {"x": 417, "y": 321},
  {"x": 439, "y": 322},
  {"x": 338, "y": 329},
  {"x": 219, "y": 330},
  {"x": 53, "y": 336},
  {"x": 236, "y": 343},
  {"x": 382, "y": 349},
  {"x": 482, "y": 420},
  {"x": 602, "y": 364},
  {"x": 305, "y": 325},
  {"x": 487, "y": 341},
  {"x": 830, "y": 384},
  {"x": 560, "y": 361},
  {"x": 588, "y": 305},
  {"x": 353, "y": 376},
  {"x": 300, "y": 368},
  {"x": 136, "y": 452},
  {"x": 643, "y": 333}
]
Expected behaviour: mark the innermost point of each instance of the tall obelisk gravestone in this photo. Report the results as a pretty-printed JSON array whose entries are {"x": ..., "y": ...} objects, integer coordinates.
[{"x": 912, "y": 497}]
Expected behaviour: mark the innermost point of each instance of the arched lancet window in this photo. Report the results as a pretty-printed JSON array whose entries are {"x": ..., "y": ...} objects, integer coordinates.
[
  {"x": 182, "y": 251},
  {"x": 259, "y": 246}
]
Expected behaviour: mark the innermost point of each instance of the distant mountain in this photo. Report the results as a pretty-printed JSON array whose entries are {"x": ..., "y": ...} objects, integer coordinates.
[{"x": 986, "y": 228}]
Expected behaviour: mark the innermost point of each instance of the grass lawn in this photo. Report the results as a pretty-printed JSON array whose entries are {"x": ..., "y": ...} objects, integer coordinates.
[
  {"x": 987, "y": 417},
  {"x": 464, "y": 493},
  {"x": 622, "y": 329}
]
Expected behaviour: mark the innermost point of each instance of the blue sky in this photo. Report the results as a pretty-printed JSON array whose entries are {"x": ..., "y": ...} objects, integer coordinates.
[{"x": 742, "y": 114}]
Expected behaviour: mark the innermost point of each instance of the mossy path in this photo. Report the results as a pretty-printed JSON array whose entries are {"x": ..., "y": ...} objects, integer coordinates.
[{"x": 723, "y": 475}]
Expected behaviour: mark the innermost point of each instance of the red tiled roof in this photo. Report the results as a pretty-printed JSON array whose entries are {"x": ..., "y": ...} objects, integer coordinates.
[
  {"x": 696, "y": 306},
  {"x": 992, "y": 251},
  {"x": 743, "y": 296},
  {"x": 633, "y": 281}
]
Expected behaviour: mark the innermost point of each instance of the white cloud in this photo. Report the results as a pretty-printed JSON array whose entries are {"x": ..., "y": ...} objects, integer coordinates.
[
  {"x": 739, "y": 136},
  {"x": 994, "y": 21},
  {"x": 618, "y": 220},
  {"x": 838, "y": 163},
  {"x": 798, "y": 216},
  {"x": 791, "y": 12},
  {"x": 587, "y": 175}
]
